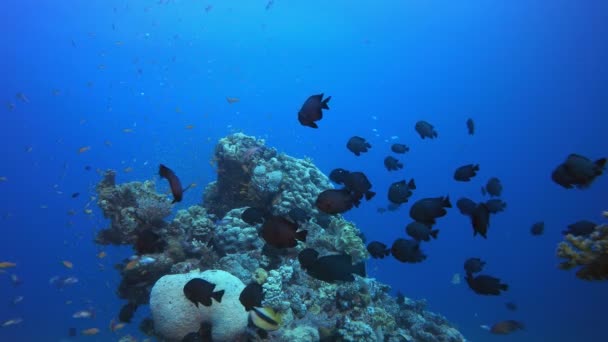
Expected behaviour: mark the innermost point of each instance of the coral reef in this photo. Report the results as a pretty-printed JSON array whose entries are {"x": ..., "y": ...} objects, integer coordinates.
[
  {"x": 213, "y": 236},
  {"x": 590, "y": 252}
]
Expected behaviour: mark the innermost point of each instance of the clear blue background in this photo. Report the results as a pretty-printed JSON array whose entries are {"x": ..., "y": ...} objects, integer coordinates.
[{"x": 533, "y": 75}]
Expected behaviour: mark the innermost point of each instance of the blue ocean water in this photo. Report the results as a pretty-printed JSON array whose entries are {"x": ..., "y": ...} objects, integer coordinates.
[{"x": 126, "y": 77}]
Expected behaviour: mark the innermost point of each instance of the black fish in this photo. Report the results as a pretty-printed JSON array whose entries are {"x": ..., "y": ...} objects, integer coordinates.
[
  {"x": 470, "y": 126},
  {"x": 480, "y": 220},
  {"x": 252, "y": 296},
  {"x": 486, "y": 285},
  {"x": 378, "y": 250},
  {"x": 199, "y": 290},
  {"x": 506, "y": 327},
  {"x": 202, "y": 335},
  {"x": 426, "y": 210},
  {"x": 307, "y": 257},
  {"x": 420, "y": 232},
  {"x": 331, "y": 268},
  {"x": 359, "y": 186},
  {"x": 312, "y": 110},
  {"x": 407, "y": 251},
  {"x": 87, "y": 167},
  {"x": 537, "y": 228},
  {"x": 148, "y": 242},
  {"x": 399, "y": 148},
  {"x": 76, "y": 194},
  {"x": 580, "y": 228},
  {"x": 338, "y": 175},
  {"x": 474, "y": 265},
  {"x": 358, "y": 145},
  {"x": 282, "y": 233},
  {"x": 174, "y": 183},
  {"x": 578, "y": 171},
  {"x": 493, "y": 187},
  {"x": 496, "y": 205},
  {"x": 466, "y": 172},
  {"x": 400, "y": 192},
  {"x": 466, "y": 206},
  {"x": 253, "y": 216},
  {"x": 334, "y": 201},
  {"x": 392, "y": 164},
  {"x": 127, "y": 312},
  {"x": 426, "y": 130}
]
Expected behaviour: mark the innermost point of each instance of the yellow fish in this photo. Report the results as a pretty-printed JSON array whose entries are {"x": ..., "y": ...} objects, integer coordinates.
[
  {"x": 68, "y": 264},
  {"x": 7, "y": 264},
  {"x": 265, "y": 318},
  {"x": 101, "y": 255},
  {"x": 84, "y": 149}
]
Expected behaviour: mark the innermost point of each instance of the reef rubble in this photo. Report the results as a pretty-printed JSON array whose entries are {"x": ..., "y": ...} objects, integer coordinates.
[{"x": 212, "y": 236}]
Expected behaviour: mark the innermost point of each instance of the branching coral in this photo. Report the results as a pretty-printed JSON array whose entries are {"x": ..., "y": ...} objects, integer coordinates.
[{"x": 588, "y": 251}]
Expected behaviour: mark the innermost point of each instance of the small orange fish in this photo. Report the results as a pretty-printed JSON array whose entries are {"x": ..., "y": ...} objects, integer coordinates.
[
  {"x": 101, "y": 255},
  {"x": 84, "y": 149},
  {"x": 90, "y": 331},
  {"x": 189, "y": 126},
  {"x": 67, "y": 264},
  {"x": 131, "y": 264},
  {"x": 7, "y": 264},
  {"x": 127, "y": 130},
  {"x": 232, "y": 100}
]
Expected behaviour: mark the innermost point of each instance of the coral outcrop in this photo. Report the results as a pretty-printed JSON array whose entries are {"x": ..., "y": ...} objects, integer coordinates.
[{"x": 588, "y": 252}]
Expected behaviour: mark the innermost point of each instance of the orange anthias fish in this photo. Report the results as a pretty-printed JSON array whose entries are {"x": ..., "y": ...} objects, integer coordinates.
[
  {"x": 101, "y": 255},
  {"x": 84, "y": 149},
  {"x": 90, "y": 331},
  {"x": 67, "y": 264},
  {"x": 189, "y": 126},
  {"x": 7, "y": 264}
]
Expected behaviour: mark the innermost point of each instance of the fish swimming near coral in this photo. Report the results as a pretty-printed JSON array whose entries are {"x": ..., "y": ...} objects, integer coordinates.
[
  {"x": 358, "y": 145},
  {"x": 282, "y": 233},
  {"x": 201, "y": 291},
  {"x": 174, "y": 182},
  {"x": 312, "y": 110},
  {"x": 578, "y": 171},
  {"x": 486, "y": 285},
  {"x": 330, "y": 268},
  {"x": 335, "y": 201},
  {"x": 506, "y": 327},
  {"x": 265, "y": 318},
  {"x": 378, "y": 250},
  {"x": 425, "y": 130},
  {"x": 252, "y": 296},
  {"x": 127, "y": 311}
]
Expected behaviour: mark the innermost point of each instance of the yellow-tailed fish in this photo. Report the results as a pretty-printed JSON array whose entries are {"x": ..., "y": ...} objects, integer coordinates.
[{"x": 265, "y": 318}]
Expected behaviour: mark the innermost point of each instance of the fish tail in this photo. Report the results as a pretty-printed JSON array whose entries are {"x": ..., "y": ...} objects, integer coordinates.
[
  {"x": 324, "y": 103},
  {"x": 312, "y": 125},
  {"x": 411, "y": 185},
  {"x": 369, "y": 195},
  {"x": 601, "y": 162},
  {"x": 301, "y": 235},
  {"x": 446, "y": 202},
  {"x": 217, "y": 295},
  {"x": 476, "y": 167},
  {"x": 434, "y": 233},
  {"x": 504, "y": 287}
]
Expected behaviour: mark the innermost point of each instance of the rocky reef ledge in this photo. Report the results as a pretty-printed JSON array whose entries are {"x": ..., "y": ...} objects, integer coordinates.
[{"x": 212, "y": 236}]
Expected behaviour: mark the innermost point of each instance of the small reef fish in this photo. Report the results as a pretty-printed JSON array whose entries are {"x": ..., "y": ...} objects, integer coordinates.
[
  {"x": 399, "y": 148},
  {"x": 7, "y": 264},
  {"x": 13, "y": 321},
  {"x": 189, "y": 126},
  {"x": 67, "y": 264},
  {"x": 84, "y": 149},
  {"x": 115, "y": 326},
  {"x": 265, "y": 318},
  {"x": 201, "y": 291},
  {"x": 101, "y": 255},
  {"x": 312, "y": 110},
  {"x": 17, "y": 300},
  {"x": 90, "y": 331},
  {"x": 232, "y": 100},
  {"x": 84, "y": 314},
  {"x": 127, "y": 130}
]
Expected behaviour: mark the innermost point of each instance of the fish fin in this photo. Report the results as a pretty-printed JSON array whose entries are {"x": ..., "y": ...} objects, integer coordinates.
[
  {"x": 476, "y": 167},
  {"x": 411, "y": 185},
  {"x": 359, "y": 269},
  {"x": 357, "y": 154},
  {"x": 217, "y": 295},
  {"x": 324, "y": 102},
  {"x": 434, "y": 233},
  {"x": 301, "y": 235},
  {"x": 312, "y": 125},
  {"x": 369, "y": 195},
  {"x": 504, "y": 287},
  {"x": 446, "y": 202},
  {"x": 601, "y": 162}
]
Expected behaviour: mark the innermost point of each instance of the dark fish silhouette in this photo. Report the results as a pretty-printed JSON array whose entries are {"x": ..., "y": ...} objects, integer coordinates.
[
  {"x": 506, "y": 327},
  {"x": 466, "y": 172},
  {"x": 486, "y": 285},
  {"x": 312, "y": 110},
  {"x": 253, "y": 216},
  {"x": 199, "y": 290},
  {"x": 174, "y": 183},
  {"x": 470, "y": 126},
  {"x": 127, "y": 312},
  {"x": 338, "y": 176},
  {"x": 378, "y": 250},
  {"x": 426, "y": 130},
  {"x": 537, "y": 228},
  {"x": 282, "y": 233},
  {"x": 330, "y": 268},
  {"x": 580, "y": 228},
  {"x": 335, "y": 201},
  {"x": 399, "y": 192},
  {"x": 466, "y": 206},
  {"x": 496, "y": 205},
  {"x": 578, "y": 171},
  {"x": 358, "y": 145},
  {"x": 427, "y": 210},
  {"x": 473, "y": 265},
  {"x": 392, "y": 164},
  {"x": 420, "y": 232},
  {"x": 399, "y": 148},
  {"x": 407, "y": 251},
  {"x": 493, "y": 187},
  {"x": 480, "y": 220},
  {"x": 252, "y": 296}
]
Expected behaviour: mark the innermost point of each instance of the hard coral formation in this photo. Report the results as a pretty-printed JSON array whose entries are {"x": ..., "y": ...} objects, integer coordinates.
[
  {"x": 175, "y": 316},
  {"x": 213, "y": 236},
  {"x": 590, "y": 252}
]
